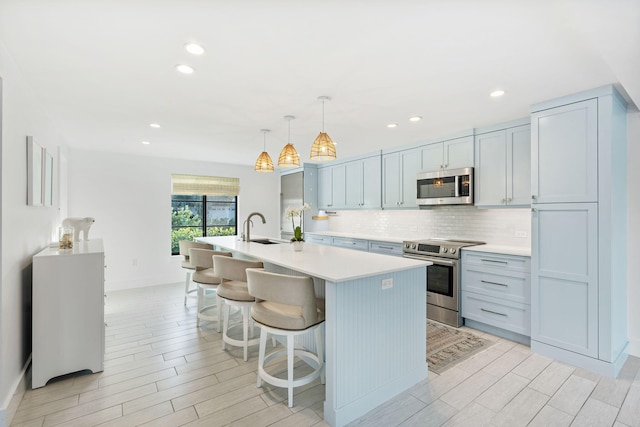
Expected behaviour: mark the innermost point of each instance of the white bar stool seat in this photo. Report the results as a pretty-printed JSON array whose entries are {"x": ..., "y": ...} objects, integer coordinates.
[
  {"x": 184, "y": 246},
  {"x": 207, "y": 282},
  {"x": 287, "y": 306},
  {"x": 233, "y": 291}
]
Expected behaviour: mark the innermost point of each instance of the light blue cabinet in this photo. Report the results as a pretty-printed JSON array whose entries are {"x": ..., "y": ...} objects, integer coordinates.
[
  {"x": 578, "y": 238},
  {"x": 363, "y": 183},
  {"x": 450, "y": 154},
  {"x": 503, "y": 168},
  {"x": 564, "y": 153},
  {"x": 399, "y": 170},
  {"x": 565, "y": 274},
  {"x": 332, "y": 187}
]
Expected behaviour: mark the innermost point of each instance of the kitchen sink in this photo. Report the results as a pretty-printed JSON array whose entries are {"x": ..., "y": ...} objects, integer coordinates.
[{"x": 265, "y": 241}]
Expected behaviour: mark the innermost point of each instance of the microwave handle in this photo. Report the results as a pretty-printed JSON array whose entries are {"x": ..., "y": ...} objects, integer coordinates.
[{"x": 457, "y": 185}]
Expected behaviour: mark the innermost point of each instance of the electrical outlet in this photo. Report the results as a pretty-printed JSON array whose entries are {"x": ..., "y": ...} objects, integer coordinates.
[
  {"x": 521, "y": 233},
  {"x": 387, "y": 283}
]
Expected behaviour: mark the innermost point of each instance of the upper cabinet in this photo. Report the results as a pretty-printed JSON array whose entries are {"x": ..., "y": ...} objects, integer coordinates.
[
  {"x": 353, "y": 184},
  {"x": 399, "y": 170},
  {"x": 564, "y": 153},
  {"x": 451, "y": 154},
  {"x": 503, "y": 167}
]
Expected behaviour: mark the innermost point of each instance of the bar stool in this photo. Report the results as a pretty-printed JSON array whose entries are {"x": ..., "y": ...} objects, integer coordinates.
[
  {"x": 233, "y": 291},
  {"x": 186, "y": 265},
  {"x": 287, "y": 306},
  {"x": 206, "y": 281}
]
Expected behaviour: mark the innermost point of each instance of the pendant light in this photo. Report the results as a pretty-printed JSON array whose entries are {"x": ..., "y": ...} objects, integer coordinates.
[
  {"x": 264, "y": 163},
  {"x": 323, "y": 147},
  {"x": 289, "y": 156}
]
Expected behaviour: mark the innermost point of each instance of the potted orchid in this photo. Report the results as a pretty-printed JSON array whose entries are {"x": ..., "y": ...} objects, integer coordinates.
[{"x": 293, "y": 213}]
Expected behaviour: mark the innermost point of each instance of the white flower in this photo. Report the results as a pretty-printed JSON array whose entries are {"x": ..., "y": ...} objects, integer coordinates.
[{"x": 293, "y": 212}]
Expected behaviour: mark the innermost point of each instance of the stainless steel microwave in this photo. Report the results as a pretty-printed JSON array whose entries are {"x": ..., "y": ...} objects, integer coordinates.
[{"x": 445, "y": 187}]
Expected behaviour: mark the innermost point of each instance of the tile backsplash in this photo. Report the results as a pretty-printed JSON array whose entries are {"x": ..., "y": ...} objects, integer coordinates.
[{"x": 509, "y": 227}]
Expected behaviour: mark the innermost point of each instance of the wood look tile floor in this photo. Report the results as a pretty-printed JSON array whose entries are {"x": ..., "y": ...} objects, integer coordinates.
[{"x": 162, "y": 370}]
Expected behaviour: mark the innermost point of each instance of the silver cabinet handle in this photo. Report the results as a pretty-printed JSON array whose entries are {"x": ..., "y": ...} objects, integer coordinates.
[
  {"x": 494, "y": 283},
  {"x": 508, "y": 199},
  {"x": 503, "y": 201},
  {"x": 493, "y": 260},
  {"x": 386, "y": 247},
  {"x": 533, "y": 197},
  {"x": 493, "y": 312},
  {"x": 533, "y": 209}
]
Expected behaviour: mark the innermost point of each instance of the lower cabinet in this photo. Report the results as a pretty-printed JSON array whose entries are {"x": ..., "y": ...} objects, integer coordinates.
[
  {"x": 349, "y": 243},
  {"x": 68, "y": 311},
  {"x": 496, "y": 290},
  {"x": 386, "y": 248},
  {"x": 380, "y": 247},
  {"x": 318, "y": 239}
]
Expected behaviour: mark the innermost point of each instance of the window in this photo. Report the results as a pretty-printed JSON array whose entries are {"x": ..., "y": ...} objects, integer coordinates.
[{"x": 202, "y": 206}]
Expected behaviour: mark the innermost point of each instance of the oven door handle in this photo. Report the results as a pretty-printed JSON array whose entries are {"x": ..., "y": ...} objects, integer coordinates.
[{"x": 435, "y": 261}]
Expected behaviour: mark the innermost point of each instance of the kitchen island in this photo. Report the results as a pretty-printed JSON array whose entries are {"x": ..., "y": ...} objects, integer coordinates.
[{"x": 375, "y": 327}]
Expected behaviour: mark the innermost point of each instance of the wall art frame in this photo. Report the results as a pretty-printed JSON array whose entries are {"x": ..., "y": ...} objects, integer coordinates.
[{"x": 34, "y": 172}]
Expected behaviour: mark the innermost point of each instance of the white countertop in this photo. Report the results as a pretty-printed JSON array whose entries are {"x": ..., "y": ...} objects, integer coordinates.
[
  {"x": 326, "y": 262},
  {"x": 499, "y": 249}
]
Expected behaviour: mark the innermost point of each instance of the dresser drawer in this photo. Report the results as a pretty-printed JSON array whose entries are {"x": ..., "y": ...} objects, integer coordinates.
[
  {"x": 508, "y": 315},
  {"x": 496, "y": 261},
  {"x": 385, "y": 248},
  {"x": 511, "y": 285},
  {"x": 357, "y": 244}
]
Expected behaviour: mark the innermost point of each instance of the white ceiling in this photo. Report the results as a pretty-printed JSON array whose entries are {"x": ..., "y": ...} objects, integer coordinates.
[{"x": 105, "y": 70}]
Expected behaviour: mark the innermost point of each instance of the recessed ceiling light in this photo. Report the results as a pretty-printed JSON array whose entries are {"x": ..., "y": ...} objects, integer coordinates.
[
  {"x": 145, "y": 143},
  {"x": 392, "y": 125},
  {"x": 185, "y": 69},
  {"x": 154, "y": 125},
  {"x": 194, "y": 48},
  {"x": 415, "y": 118},
  {"x": 496, "y": 93}
]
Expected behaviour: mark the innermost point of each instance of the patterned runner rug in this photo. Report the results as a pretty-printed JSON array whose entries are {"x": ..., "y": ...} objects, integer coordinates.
[{"x": 447, "y": 346}]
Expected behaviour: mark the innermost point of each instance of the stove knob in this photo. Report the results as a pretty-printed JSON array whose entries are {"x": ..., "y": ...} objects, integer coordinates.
[
  {"x": 445, "y": 250},
  {"x": 406, "y": 245},
  {"x": 453, "y": 250},
  {"x": 413, "y": 246}
]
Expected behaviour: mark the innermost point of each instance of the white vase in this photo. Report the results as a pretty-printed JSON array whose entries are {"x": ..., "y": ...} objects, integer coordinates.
[{"x": 297, "y": 246}]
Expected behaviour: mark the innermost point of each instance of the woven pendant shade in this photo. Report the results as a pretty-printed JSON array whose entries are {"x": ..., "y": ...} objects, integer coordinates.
[
  {"x": 264, "y": 163},
  {"x": 323, "y": 148},
  {"x": 289, "y": 157}
]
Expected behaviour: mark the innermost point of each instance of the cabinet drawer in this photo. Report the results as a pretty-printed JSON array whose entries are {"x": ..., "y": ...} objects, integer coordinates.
[
  {"x": 508, "y": 315},
  {"x": 385, "y": 248},
  {"x": 511, "y": 285},
  {"x": 320, "y": 240},
  {"x": 496, "y": 261},
  {"x": 357, "y": 244}
]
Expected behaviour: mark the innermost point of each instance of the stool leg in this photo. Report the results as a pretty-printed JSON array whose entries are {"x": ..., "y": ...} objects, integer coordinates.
[
  {"x": 226, "y": 324},
  {"x": 219, "y": 303},
  {"x": 263, "y": 346},
  {"x": 186, "y": 287},
  {"x": 290, "y": 353},
  {"x": 245, "y": 330},
  {"x": 320, "y": 352},
  {"x": 200, "y": 302}
]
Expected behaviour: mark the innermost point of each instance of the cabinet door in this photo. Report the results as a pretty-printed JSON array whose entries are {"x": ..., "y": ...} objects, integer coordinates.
[
  {"x": 564, "y": 273},
  {"x": 490, "y": 174},
  {"x": 339, "y": 191},
  {"x": 325, "y": 188},
  {"x": 391, "y": 180},
  {"x": 432, "y": 157},
  {"x": 458, "y": 153},
  {"x": 410, "y": 166},
  {"x": 371, "y": 182},
  {"x": 353, "y": 184},
  {"x": 519, "y": 166},
  {"x": 564, "y": 157}
]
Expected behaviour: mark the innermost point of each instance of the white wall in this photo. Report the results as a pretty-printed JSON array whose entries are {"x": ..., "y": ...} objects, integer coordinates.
[
  {"x": 633, "y": 230},
  {"x": 130, "y": 199},
  {"x": 25, "y": 229}
]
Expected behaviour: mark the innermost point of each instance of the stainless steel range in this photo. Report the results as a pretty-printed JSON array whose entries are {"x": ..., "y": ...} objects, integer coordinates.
[{"x": 443, "y": 277}]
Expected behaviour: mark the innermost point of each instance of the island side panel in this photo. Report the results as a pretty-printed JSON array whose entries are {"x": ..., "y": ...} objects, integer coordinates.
[{"x": 375, "y": 342}]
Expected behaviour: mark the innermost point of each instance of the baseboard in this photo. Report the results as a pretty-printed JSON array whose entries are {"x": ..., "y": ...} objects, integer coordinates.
[
  {"x": 11, "y": 403},
  {"x": 502, "y": 333},
  {"x": 634, "y": 348},
  {"x": 609, "y": 369}
]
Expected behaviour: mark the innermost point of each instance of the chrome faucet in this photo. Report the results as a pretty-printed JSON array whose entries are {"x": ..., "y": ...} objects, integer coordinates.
[{"x": 246, "y": 226}]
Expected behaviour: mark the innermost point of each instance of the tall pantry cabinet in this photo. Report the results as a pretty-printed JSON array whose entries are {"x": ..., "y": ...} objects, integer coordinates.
[
  {"x": 68, "y": 311},
  {"x": 578, "y": 236}
]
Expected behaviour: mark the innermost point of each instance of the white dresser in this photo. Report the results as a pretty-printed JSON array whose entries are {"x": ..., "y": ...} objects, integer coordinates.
[{"x": 68, "y": 311}]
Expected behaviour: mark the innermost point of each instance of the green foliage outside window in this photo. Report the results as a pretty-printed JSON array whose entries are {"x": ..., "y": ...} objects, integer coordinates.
[{"x": 187, "y": 225}]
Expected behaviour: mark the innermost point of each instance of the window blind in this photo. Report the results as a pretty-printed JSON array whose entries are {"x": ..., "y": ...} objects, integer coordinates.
[{"x": 190, "y": 185}]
